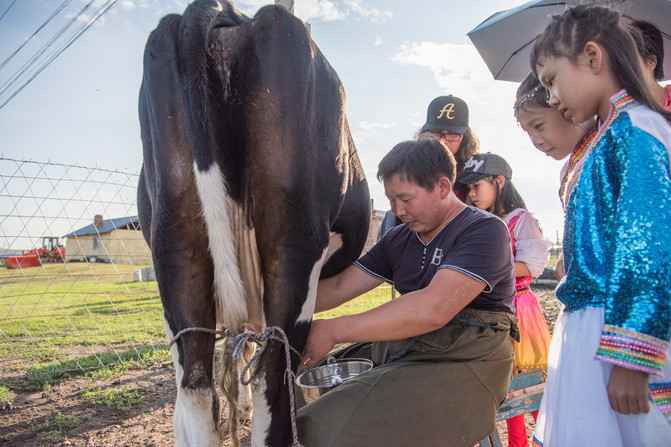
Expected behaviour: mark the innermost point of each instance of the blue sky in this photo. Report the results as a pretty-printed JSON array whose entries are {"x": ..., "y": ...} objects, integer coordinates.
[{"x": 393, "y": 57}]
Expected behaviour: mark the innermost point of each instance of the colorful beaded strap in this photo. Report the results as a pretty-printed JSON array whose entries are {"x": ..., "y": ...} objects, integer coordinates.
[
  {"x": 620, "y": 102},
  {"x": 575, "y": 163}
]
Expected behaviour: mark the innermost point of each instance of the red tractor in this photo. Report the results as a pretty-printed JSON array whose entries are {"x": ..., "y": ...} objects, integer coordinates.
[{"x": 51, "y": 251}]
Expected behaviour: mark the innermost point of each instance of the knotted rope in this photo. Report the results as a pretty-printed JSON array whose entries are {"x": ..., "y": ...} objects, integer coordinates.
[{"x": 235, "y": 346}]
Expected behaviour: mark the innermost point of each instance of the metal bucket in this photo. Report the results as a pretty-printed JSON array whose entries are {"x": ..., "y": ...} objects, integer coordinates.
[{"x": 317, "y": 381}]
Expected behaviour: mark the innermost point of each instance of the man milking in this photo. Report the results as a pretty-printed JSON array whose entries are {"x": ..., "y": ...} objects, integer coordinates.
[{"x": 443, "y": 350}]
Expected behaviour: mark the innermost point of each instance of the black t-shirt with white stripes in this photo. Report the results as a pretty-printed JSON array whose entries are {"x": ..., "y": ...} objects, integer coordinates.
[{"x": 475, "y": 243}]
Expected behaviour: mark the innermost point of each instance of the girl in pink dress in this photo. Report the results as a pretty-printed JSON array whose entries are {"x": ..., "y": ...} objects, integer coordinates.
[{"x": 488, "y": 178}]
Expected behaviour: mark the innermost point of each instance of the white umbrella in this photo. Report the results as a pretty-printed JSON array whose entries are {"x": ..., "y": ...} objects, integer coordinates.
[{"x": 505, "y": 39}]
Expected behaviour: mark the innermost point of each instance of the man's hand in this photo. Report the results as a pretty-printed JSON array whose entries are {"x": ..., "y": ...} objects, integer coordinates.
[
  {"x": 320, "y": 342},
  {"x": 628, "y": 391}
]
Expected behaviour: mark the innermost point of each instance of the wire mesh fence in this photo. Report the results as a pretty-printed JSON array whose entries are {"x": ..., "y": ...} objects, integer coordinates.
[
  {"x": 74, "y": 288},
  {"x": 77, "y": 290}
]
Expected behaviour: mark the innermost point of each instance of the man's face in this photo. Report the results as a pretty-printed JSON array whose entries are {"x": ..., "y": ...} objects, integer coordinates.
[{"x": 414, "y": 205}]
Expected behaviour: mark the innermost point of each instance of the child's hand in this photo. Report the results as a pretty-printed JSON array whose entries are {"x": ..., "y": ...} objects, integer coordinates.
[
  {"x": 628, "y": 391},
  {"x": 559, "y": 268}
]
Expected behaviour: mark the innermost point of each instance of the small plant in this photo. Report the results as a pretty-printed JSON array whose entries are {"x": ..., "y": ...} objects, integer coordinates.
[
  {"x": 52, "y": 430},
  {"x": 6, "y": 395},
  {"x": 121, "y": 398}
]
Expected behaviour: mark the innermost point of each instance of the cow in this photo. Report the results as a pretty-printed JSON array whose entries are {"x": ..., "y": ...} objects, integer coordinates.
[{"x": 251, "y": 190}]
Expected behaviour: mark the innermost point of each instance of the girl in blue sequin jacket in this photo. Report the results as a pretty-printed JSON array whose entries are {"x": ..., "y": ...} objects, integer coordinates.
[{"x": 608, "y": 378}]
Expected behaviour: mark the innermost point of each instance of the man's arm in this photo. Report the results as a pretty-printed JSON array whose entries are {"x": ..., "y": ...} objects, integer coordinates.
[
  {"x": 346, "y": 285},
  {"x": 411, "y": 314}
]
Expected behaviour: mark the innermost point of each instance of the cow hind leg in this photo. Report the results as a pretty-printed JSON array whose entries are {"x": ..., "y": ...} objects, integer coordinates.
[{"x": 197, "y": 407}]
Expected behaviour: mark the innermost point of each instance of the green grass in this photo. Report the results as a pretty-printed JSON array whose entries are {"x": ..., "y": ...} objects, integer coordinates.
[
  {"x": 6, "y": 395},
  {"x": 46, "y": 310},
  {"x": 53, "y": 429},
  {"x": 107, "y": 364},
  {"x": 67, "y": 320},
  {"x": 365, "y": 302},
  {"x": 120, "y": 398}
]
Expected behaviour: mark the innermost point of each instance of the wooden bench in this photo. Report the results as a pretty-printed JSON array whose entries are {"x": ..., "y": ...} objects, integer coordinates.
[{"x": 524, "y": 396}]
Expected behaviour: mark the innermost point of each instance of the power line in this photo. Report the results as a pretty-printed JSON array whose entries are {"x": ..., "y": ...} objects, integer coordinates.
[
  {"x": 33, "y": 59},
  {"x": 69, "y": 41},
  {"x": 10, "y": 5},
  {"x": 53, "y": 14}
]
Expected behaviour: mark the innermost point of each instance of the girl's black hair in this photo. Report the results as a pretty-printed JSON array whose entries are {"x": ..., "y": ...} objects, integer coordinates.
[
  {"x": 507, "y": 198},
  {"x": 567, "y": 35},
  {"x": 651, "y": 44},
  {"x": 531, "y": 93}
]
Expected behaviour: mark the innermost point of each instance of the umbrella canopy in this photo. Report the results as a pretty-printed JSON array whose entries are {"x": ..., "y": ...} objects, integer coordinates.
[{"x": 505, "y": 39}]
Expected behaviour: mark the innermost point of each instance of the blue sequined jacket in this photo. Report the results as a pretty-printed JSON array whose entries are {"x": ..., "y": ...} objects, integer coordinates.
[{"x": 617, "y": 237}]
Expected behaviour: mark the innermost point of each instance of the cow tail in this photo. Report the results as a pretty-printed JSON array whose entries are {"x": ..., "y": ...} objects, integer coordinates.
[
  {"x": 193, "y": 46},
  {"x": 229, "y": 381},
  {"x": 228, "y": 384}
]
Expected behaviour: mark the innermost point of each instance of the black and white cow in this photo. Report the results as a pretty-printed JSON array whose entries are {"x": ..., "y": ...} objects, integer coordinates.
[{"x": 251, "y": 189}]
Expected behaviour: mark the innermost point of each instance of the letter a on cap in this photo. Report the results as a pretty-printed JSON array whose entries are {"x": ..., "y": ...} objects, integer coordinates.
[{"x": 448, "y": 110}]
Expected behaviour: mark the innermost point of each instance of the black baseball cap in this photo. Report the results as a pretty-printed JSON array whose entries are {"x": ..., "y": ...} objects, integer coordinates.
[
  {"x": 447, "y": 113},
  {"x": 480, "y": 166}
]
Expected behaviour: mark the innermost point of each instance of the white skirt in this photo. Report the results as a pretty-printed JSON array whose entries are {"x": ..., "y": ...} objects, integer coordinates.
[{"x": 575, "y": 410}]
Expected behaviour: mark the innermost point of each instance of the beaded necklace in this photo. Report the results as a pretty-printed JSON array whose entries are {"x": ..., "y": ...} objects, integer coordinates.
[
  {"x": 575, "y": 163},
  {"x": 620, "y": 101}
]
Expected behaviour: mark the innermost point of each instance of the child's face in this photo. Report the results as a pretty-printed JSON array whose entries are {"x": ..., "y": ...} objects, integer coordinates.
[
  {"x": 573, "y": 86},
  {"x": 482, "y": 193},
  {"x": 549, "y": 131}
]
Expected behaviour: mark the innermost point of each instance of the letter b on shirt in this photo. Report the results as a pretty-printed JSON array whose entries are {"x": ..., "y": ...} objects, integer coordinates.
[{"x": 437, "y": 258}]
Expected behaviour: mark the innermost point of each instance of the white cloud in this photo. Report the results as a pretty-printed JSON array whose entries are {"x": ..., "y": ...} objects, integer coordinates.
[
  {"x": 305, "y": 10},
  {"x": 324, "y": 10},
  {"x": 378, "y": 41},
  {"x": 367, "y": 125},
  {"x": 358, "y": 7},
  {"x": 128, "y": 5},
  {"x": 252, "y": 5},
  {"x": 86, "y": 18},
  {"x": 455, "y": 67}
]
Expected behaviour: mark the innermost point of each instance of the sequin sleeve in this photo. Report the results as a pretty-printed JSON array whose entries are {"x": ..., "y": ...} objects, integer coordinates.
[{"x": 635, "y": 182}]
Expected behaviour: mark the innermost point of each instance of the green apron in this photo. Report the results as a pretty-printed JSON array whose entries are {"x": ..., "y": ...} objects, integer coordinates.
[{"x": 442, "y": 390}]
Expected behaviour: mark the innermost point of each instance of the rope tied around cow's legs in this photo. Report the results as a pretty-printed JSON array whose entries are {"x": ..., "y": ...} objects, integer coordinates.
[{"x": 235, "y": 346}]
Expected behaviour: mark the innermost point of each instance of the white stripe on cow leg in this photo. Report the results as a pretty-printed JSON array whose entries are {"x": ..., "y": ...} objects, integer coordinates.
[
  {"x": 335, "y": 243},
  {"x": 262, "y": 417},
  {"x": 193, "y": 422},
  {"x": 308, "y": 309},
  {"x": 174, "y": 352},
  {"x": 216, "y": 206}
]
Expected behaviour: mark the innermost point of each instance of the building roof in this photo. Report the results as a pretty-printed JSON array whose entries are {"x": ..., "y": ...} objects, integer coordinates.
[{"x": 120, "y": 223}]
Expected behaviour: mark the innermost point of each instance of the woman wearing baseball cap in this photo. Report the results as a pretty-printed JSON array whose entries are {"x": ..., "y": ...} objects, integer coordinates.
[{"x": 447, "y": 120}]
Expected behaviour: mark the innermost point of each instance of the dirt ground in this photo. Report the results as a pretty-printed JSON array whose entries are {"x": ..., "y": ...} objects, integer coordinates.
[{"x": 148, "y": 423}]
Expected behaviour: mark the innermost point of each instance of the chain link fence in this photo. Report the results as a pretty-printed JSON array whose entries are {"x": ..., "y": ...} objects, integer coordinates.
[{"x": 76, "y": 285}]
